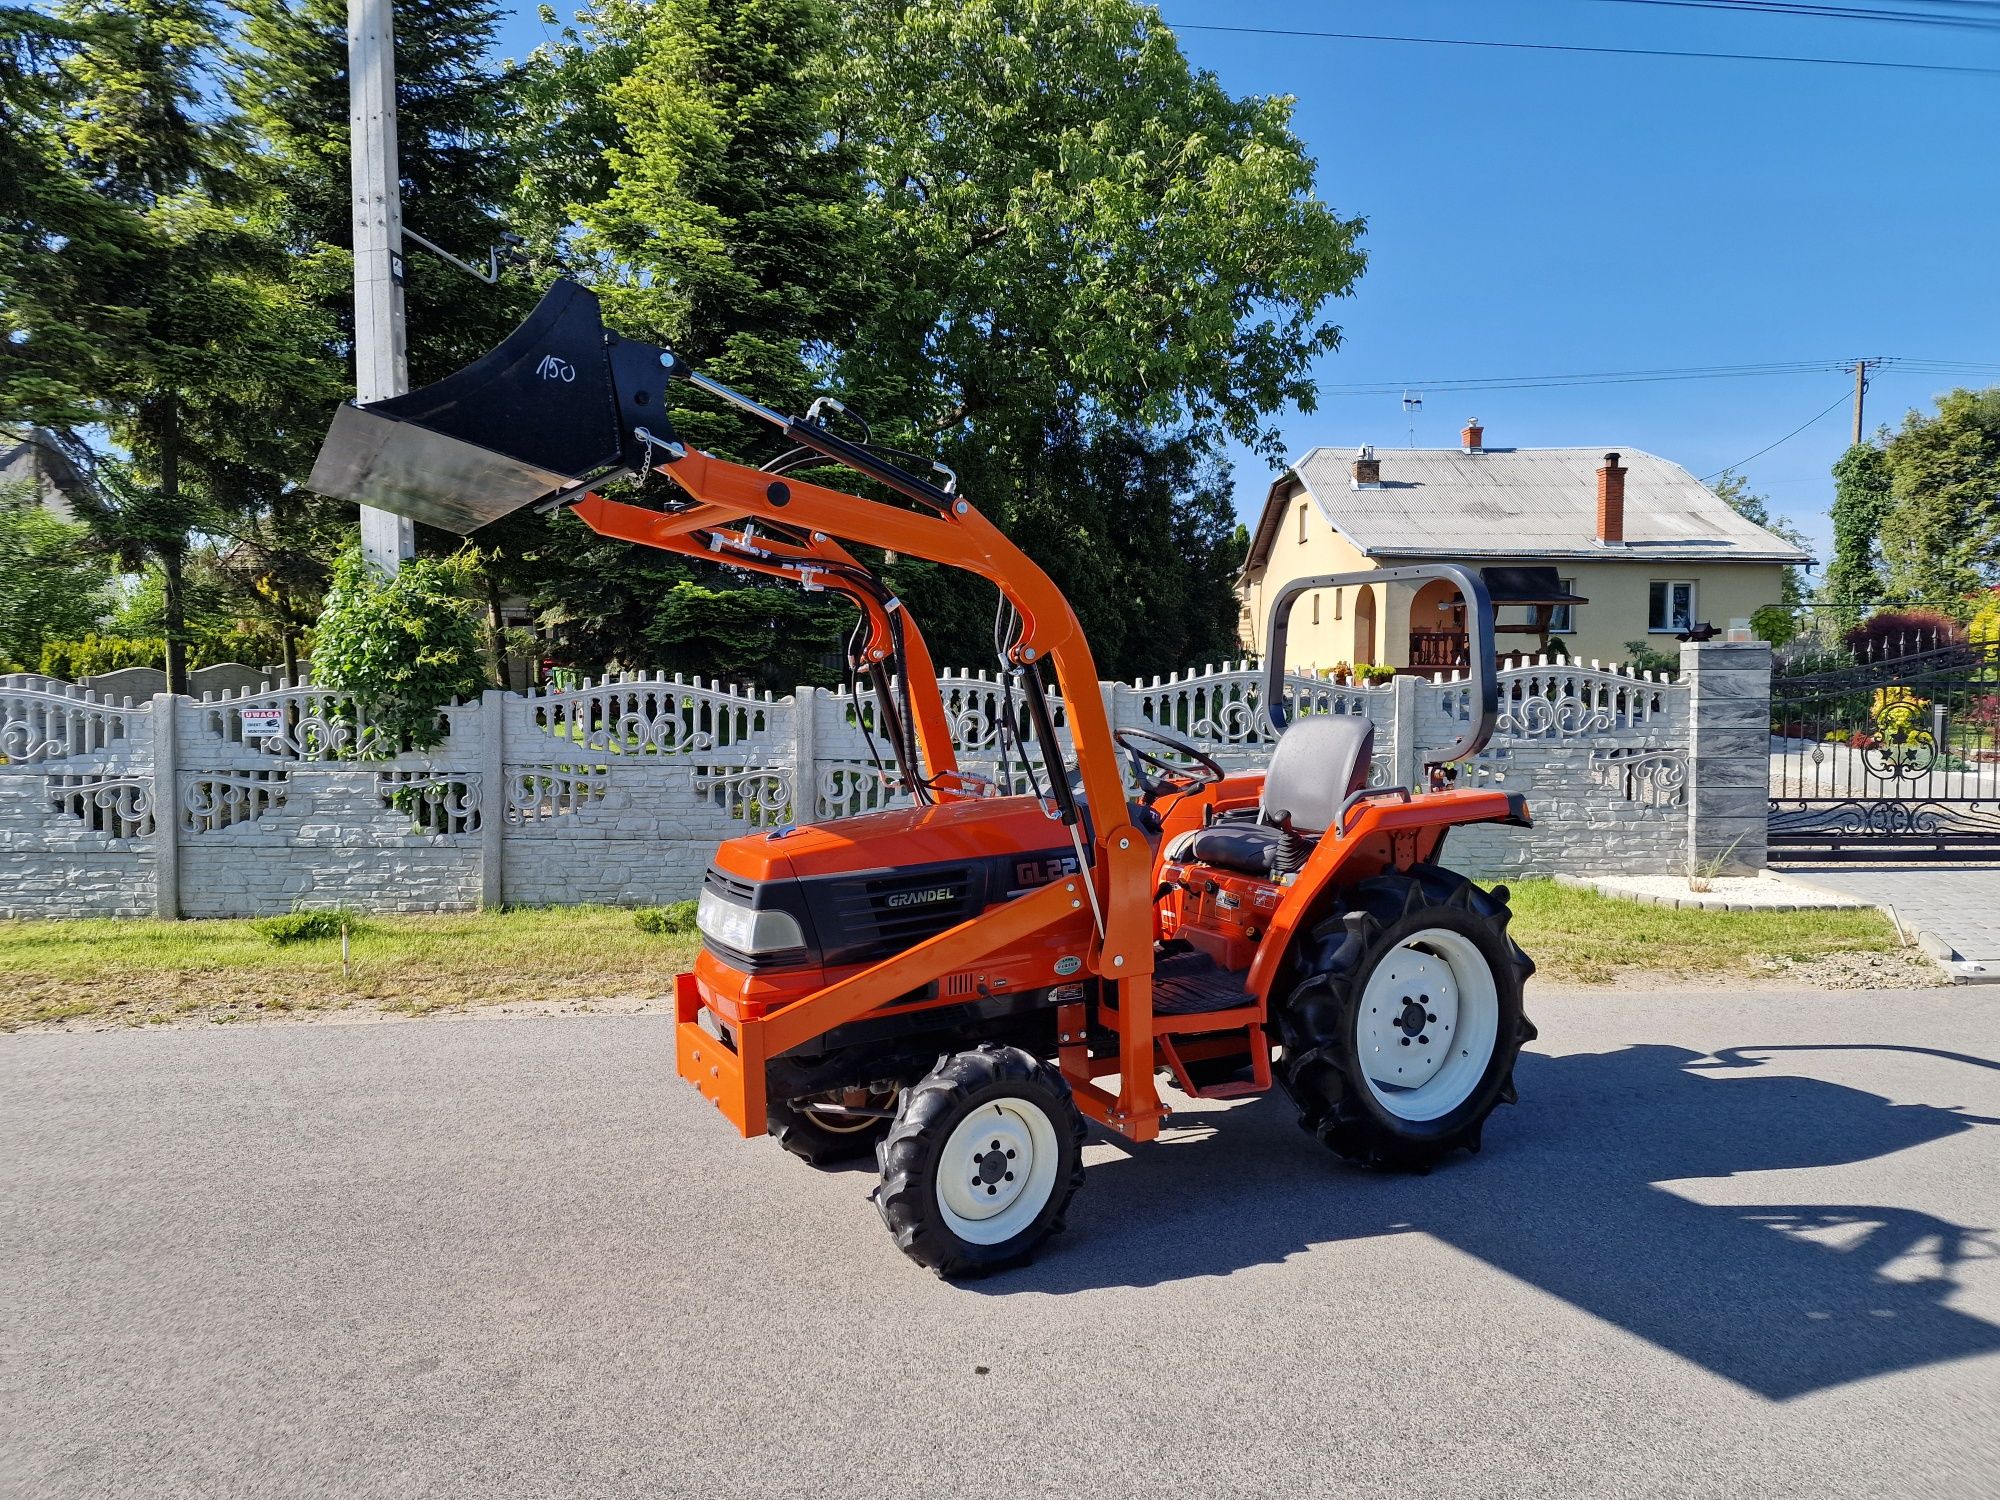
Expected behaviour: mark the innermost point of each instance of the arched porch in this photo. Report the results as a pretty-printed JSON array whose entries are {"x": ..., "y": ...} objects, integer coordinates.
[{"x": 1437, "y": 626}]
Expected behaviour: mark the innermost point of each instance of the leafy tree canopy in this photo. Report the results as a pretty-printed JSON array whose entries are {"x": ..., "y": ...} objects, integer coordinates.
[
  {"x": 1070, "y": 216},
  {"x": 1941, "y": 534},
  {"x": 1860, "y": 501},
  {"x": 51, "y": 583}
]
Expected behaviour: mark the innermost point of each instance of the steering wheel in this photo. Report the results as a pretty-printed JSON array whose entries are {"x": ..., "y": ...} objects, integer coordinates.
[{"x": 1171, "y": 777}]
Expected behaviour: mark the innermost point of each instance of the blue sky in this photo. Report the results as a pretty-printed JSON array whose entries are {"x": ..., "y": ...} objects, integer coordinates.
[{"x": 1536, "y": 213}]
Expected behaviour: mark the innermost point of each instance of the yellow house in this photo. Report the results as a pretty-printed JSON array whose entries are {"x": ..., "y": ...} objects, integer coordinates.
[{"x": 1591, "y": 549}]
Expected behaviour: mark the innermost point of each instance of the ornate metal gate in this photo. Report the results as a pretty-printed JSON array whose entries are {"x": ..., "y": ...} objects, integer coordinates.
[{"x": 1892, "y": 755}]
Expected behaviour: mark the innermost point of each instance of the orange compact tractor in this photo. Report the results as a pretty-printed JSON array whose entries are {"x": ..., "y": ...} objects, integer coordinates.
[{"x": 960, "y": 981}]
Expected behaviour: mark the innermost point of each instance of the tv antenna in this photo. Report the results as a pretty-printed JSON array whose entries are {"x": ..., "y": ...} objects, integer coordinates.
[{"x": 1413, "y": 402}]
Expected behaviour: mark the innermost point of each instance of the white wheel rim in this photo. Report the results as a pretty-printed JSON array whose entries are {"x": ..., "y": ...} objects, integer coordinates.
[
  {"x": 997, "y": 1171},
  {"x": 1427, "y": 1023}
]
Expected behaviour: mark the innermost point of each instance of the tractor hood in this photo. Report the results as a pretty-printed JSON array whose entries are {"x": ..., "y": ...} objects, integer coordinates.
[{"x": 559, "y": 404}]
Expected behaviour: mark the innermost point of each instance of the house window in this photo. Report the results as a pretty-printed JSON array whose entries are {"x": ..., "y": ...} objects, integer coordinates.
[
  {"x": 1336, "y": 603},
  {"x": 1562, "y": 618},
  {"x": 1671, "y": 609},
  {"x": 1315, "y": 607},
  {"x": 1302, "y": 524}
]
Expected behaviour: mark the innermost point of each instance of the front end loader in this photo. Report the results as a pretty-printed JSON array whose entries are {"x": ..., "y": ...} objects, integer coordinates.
[{"x": 959, "y": 982}]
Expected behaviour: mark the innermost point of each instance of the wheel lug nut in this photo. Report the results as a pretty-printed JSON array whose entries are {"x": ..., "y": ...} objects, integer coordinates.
[
  {"x": 1010, "y": 1156},
  {"x": 1010, "y": 1177}
]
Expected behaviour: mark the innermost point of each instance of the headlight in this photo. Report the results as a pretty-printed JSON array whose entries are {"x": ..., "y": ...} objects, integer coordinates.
[{"x": 747, "y": 931}]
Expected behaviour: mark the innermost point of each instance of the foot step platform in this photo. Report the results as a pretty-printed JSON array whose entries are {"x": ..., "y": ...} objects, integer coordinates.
[{"x": 1193, "y": 984}]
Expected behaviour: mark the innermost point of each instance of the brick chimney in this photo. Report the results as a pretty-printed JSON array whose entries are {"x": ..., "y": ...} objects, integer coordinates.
[
  {"x": 1472, "y": 437},
  {"x": 1611, "y": 502},
  {"x": 1367, "y": 468}
]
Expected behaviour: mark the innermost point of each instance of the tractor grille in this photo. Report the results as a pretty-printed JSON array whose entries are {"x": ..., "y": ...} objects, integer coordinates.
[
  {"x": 729, "y": 887},
  {"x": 893, "y": 912}
]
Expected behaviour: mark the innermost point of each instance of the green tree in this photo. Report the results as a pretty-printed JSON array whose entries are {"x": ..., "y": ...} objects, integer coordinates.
[
  {"x": 1071, "y": 217},
  {"x": 732, "y": 213},
  {"x": 688, "y": 142},
  {"x": 51, "y": 583},
  {"x": 1080, "y": 237},
  {"x": 404, "y": 646},
  {"x": 564, "y": 125},
  {"x": 288, "y": 79},
  {"x": 140, "y": 304},
  {"x": 1941, "y": 536},
  {"x": 1023, "y": 235},
  {"x": 1861, "y": 499},
  {"x": 131, "y": 130}
]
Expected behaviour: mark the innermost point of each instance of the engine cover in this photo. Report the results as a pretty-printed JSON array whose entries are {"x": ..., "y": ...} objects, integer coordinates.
[{"x": 866, "y": 888}]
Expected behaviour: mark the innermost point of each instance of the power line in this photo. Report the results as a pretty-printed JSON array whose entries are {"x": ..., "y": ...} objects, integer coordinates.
[
  {"x": 1588, "y": 377},
  {"x": 1447, "y": 41},
  {"x": 1837, "y": 402},
  {"x": 1911, "y": 366},
  {"x": 1985, "y": 18}
]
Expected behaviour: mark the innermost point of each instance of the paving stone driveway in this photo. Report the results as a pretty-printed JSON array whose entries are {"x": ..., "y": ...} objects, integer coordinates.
[{"x": 1957, "y": 904}]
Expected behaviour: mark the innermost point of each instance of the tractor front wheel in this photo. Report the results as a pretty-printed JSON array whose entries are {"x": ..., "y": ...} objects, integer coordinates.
[
  {"x": 833, "y": 1127},
  {"x": 981, "y": 1162},
  {"x": 1401, "y": 1033}
]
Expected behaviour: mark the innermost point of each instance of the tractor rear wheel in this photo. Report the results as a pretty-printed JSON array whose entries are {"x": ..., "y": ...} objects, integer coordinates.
[
  {"x": 1402, "y": 1029},
  {"x": 981, "y": 1162}
]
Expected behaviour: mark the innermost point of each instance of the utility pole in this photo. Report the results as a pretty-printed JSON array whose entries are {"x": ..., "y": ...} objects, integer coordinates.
[
  {"x": 381, "y": 366},
  {"x": 1861, "y": 369}
]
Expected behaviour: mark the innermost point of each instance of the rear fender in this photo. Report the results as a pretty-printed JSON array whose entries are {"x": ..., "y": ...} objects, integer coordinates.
[{"x": 1380, "y": 835}]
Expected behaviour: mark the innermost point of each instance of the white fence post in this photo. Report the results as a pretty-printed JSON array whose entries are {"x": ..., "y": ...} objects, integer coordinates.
[
  {"x": 492, "y": 797},
  {"x": 1403, "y": 721},
  {"x": 166, "y": 809},
  {"x": 805, "y": 754}
]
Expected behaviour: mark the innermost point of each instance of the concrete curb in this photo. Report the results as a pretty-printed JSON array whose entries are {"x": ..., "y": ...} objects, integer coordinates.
[
  {"x": 1958, "y": 969},
  {"x": 1961, "y": 970},
  {"x": 1699, "y": 900}
]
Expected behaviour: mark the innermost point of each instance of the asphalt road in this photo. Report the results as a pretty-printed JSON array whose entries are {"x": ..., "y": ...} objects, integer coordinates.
[{"x": 516, "y": 1258}]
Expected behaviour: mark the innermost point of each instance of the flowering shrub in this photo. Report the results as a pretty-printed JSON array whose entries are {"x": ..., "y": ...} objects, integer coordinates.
[
  {"x": 1900, "y": 715},
  {"x": 1896, "y": 633}
]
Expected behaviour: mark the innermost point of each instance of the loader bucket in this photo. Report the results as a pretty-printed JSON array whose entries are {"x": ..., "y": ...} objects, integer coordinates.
[{"x": 553, "y": 407}]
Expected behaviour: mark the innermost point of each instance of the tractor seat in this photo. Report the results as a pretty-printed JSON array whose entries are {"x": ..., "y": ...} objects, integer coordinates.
[{"x": 1319, "y": 763}]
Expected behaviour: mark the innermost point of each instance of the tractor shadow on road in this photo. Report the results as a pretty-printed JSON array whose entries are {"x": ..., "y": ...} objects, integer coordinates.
[{"x": 1781, "y": 1298}]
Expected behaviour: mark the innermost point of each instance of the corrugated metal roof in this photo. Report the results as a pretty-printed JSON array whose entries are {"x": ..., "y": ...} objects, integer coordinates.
[{"x": 1525, "y": 502}]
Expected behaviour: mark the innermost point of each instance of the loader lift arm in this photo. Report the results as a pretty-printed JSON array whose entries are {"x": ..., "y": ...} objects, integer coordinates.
[
  {"x": 1115, "y": 854},
  {"x": 562, "y": 404},
  {"x": 889, "y": 631}
]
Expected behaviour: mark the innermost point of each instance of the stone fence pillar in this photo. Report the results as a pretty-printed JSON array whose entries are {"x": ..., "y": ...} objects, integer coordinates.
[{"x": 1729, "y": 754}]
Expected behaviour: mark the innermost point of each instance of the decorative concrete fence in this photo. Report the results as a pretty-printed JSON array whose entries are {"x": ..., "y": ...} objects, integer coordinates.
[{"x": 617, "y": 791}]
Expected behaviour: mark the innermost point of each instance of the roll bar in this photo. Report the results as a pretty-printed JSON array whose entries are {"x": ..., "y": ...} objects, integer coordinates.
[{"x": 1479, "y": 631}]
